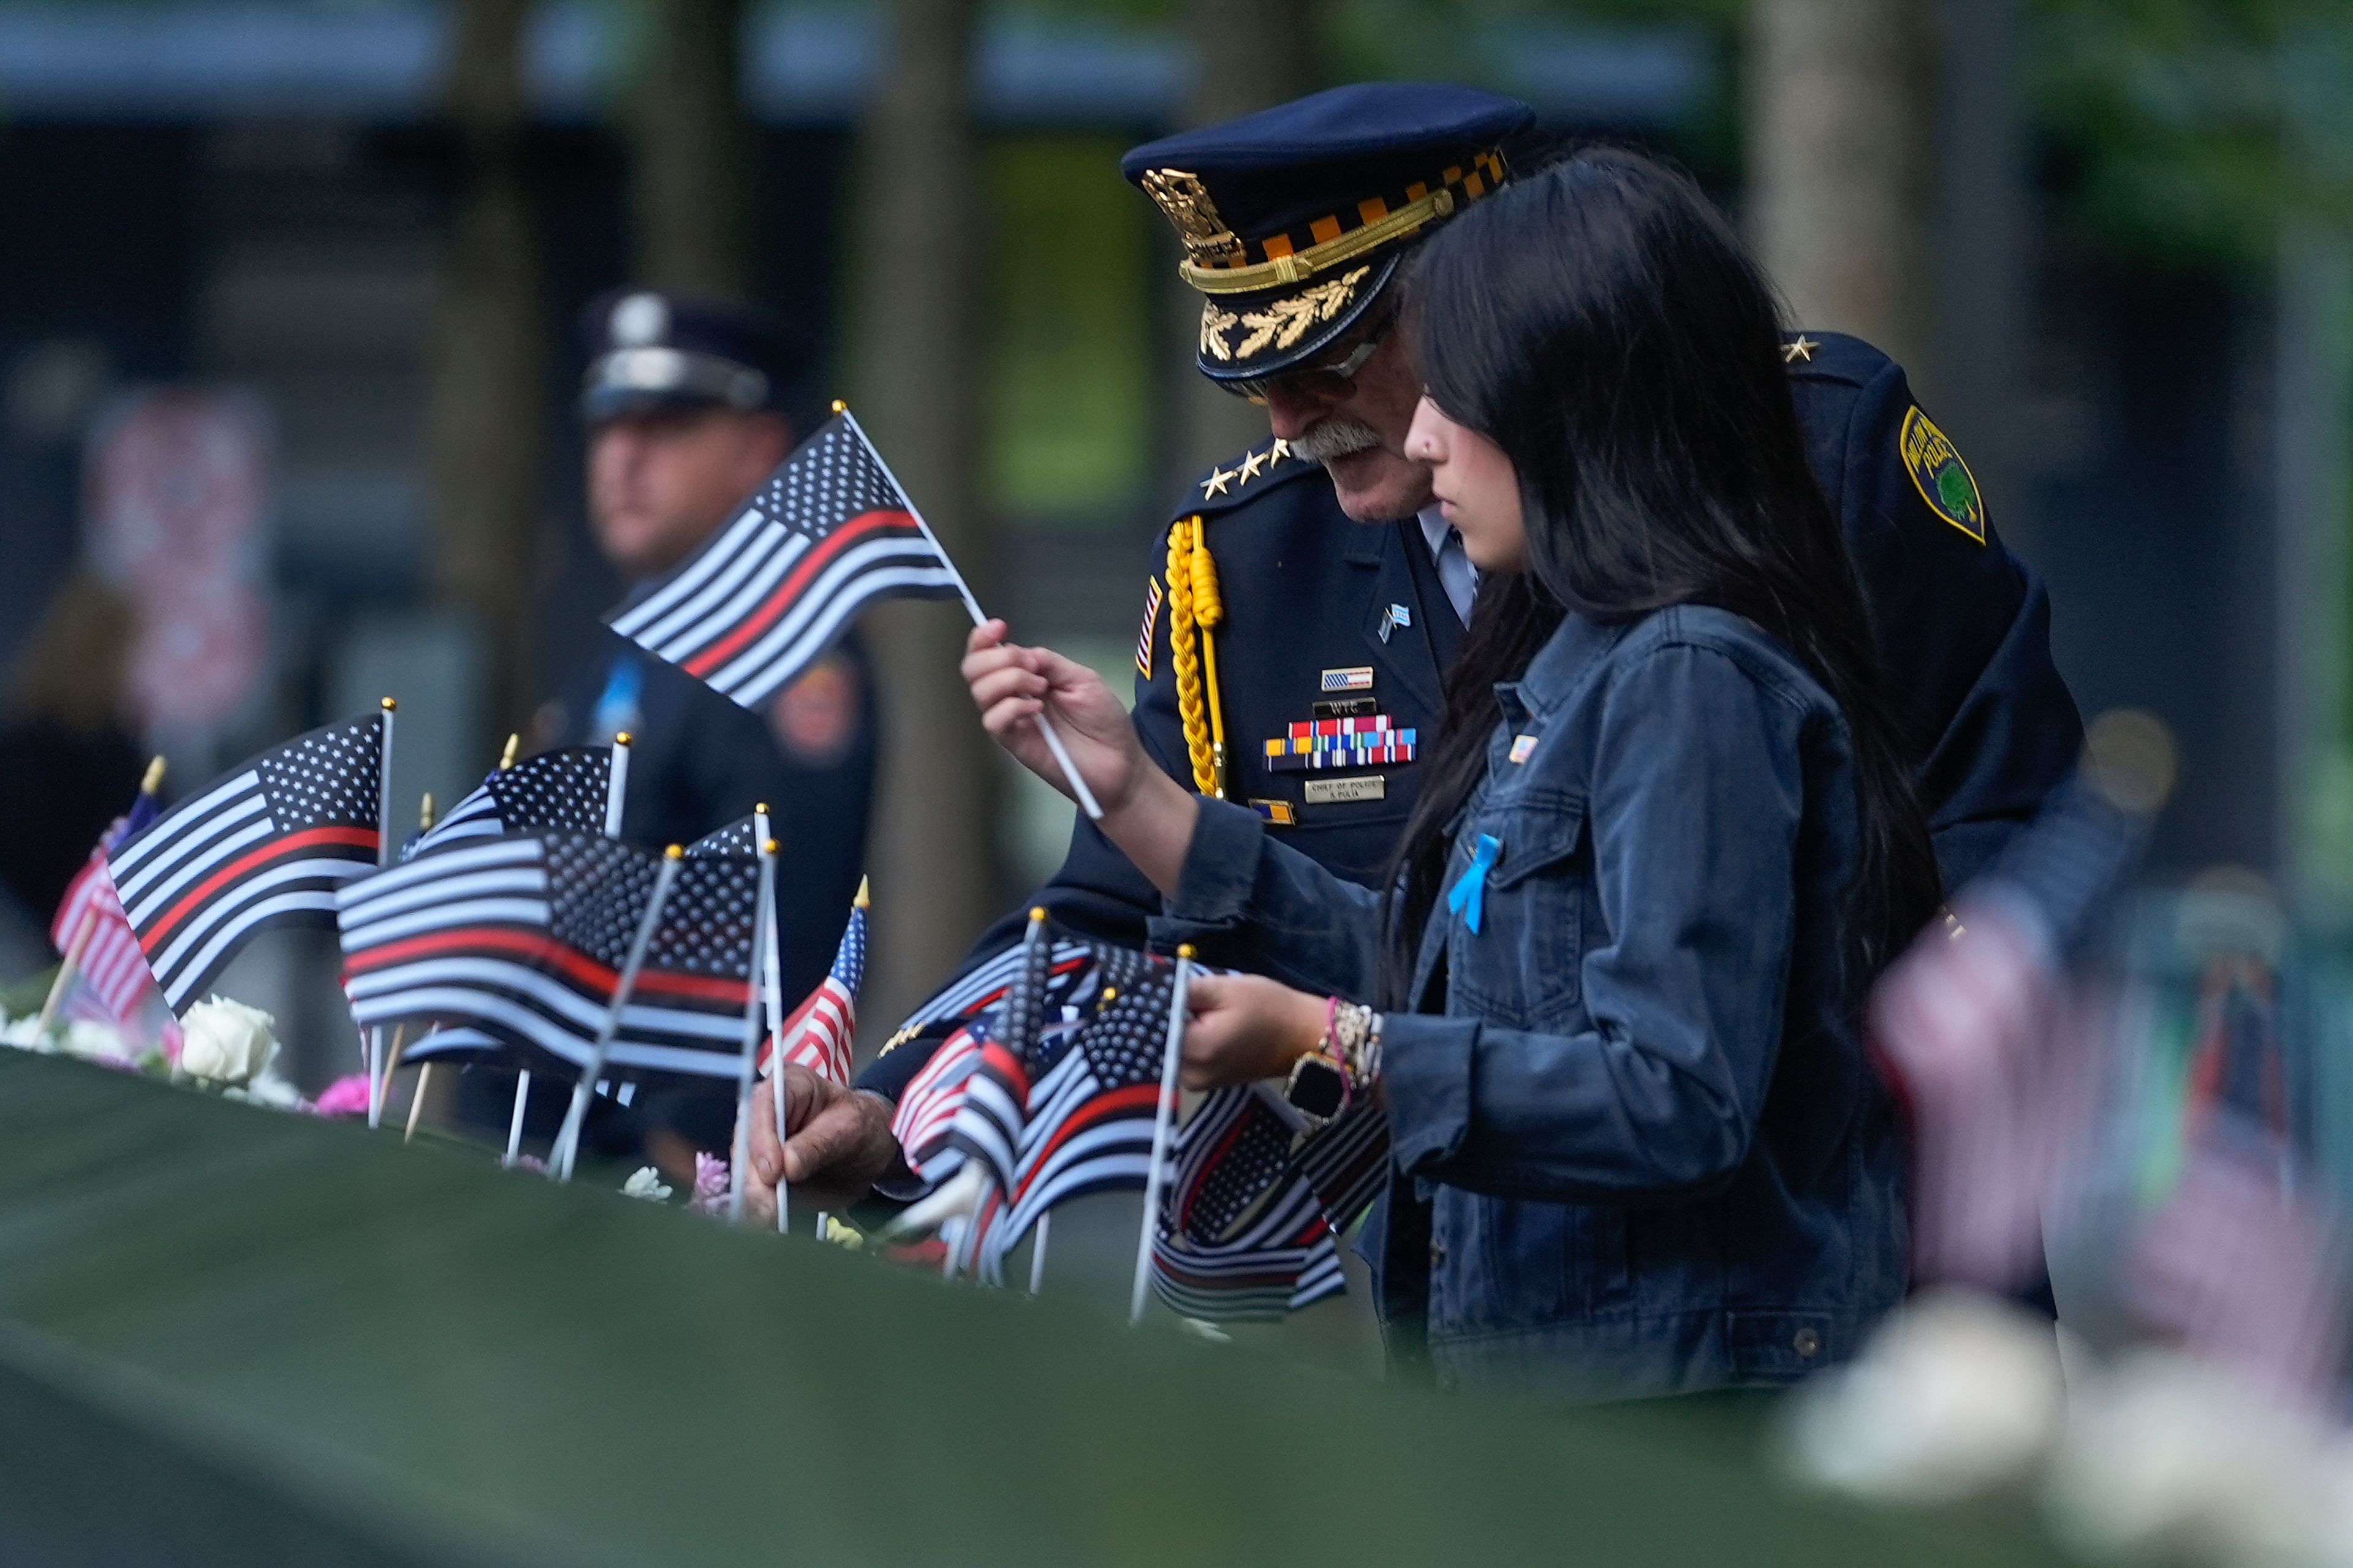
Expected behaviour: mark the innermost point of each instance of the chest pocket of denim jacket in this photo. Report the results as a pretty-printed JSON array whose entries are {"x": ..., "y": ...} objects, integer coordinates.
[{"x": 1521, "y": 967}]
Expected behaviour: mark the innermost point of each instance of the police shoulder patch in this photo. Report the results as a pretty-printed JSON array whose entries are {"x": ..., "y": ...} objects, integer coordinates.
[
  {"x": 1937, "y": 472},
  {"x": 815, "y": 718}
]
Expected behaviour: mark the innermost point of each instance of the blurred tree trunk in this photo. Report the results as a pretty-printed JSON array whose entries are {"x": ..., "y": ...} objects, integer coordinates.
[
  {"x": 1248, "y": 55},
  {"x": 1839, "y": 106},
  {"x": 918, "y": 273},
  {"x": 484, "y": 424},
  {"x": 692, "y": 151}
]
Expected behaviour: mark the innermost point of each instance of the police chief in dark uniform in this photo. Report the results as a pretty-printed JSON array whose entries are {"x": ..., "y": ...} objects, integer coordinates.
[
  {"x": 1303, "y": 603},
  {"x": 684, "y": 400}
]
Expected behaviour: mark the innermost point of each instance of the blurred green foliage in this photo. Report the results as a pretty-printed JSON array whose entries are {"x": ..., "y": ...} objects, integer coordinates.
[
  {"x": 2193, "y": 128},
  {"x": 2179, "y": 129},
  {"x": 1070, "y": 353}
]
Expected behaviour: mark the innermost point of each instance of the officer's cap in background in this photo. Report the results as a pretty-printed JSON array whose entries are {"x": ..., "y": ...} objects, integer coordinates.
[
  {"x": 1294, "y": 219},
  {"x": 649, "y": 350}
]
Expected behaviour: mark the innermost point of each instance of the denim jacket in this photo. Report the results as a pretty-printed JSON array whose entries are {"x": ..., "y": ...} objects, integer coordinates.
[{"x": 1634, "y": 1099}]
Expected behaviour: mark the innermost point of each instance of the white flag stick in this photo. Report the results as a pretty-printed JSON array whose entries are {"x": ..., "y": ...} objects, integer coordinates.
[
  {"x": 66, "y": 969},
  {"x": 1043, "y": 1230},
  {"x": 514, "y": 1117},
  {"x": 617, "y": 785},
  {"x": 1163, "y": 1122},
  {"x": 567, "y": 1142},
  {"x": 523, "y": 1075},
  {"x": 416, "y": 1100},
  {"x": 772, "y": 988},
  {"x": 383, "y": 853},
  {"x": 753, "y": 992},
  {"x": 1045, "y": 725}
]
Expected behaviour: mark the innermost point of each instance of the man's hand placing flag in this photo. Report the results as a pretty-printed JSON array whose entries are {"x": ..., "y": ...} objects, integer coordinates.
[{"x": 839, "y": 1145}]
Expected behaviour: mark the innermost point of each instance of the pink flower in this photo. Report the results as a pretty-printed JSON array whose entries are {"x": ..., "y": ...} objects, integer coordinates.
[
  {"x": 711, "y": 1185},
  {"x": 347, "y": 1096},
  {"x": 173, "y": 1040}
]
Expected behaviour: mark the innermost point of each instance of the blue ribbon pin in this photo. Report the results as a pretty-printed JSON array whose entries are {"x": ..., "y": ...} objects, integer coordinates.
[{"x": 1469, "y": 897}]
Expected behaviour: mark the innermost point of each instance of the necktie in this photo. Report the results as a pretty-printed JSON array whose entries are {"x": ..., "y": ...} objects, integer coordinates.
[{"x": 1460, "y": 578}]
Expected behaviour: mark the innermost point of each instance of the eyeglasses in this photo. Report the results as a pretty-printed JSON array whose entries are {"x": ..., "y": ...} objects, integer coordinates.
[{"x": 1332, "y": 381}]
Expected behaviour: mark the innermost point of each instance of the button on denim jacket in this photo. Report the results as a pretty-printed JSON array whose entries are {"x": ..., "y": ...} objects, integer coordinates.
[{"x": 1655, "y": 1155}]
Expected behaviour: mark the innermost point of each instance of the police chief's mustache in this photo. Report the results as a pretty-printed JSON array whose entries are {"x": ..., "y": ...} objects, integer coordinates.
[{"x": 1335, "y": 436}]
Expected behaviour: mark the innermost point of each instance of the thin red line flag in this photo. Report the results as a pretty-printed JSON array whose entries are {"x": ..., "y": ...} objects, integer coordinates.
[
  {"x": 827, "y": 534},
  {"x": 266, "y": 847}
]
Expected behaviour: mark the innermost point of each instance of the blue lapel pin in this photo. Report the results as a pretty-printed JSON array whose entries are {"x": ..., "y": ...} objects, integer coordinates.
[{"x": 1469, "y": 897}]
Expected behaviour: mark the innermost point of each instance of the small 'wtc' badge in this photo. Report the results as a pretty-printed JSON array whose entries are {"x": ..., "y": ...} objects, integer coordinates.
[{"x": 1937, "y": 472}]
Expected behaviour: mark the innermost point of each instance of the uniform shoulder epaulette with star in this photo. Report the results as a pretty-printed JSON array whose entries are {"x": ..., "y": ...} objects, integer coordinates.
[
  {"x": 1832, "y": 356},
  {"x": 1229, "y": 484}
]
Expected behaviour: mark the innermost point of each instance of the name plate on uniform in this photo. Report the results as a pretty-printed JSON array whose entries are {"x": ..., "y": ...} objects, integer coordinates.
[{"x": 1340, "y": 792}]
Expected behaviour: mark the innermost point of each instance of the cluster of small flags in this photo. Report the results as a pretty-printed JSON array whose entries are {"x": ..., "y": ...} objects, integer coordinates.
[
  {"x": 1049, "y": 1079},
  {"x": 502, "y": 921},
  {"x": 504, "y": 931},
  {"x": 1365, "y": 741}
]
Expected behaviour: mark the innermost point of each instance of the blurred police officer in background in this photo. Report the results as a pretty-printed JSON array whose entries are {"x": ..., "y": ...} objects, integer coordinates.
[
  {"x": 685, "y": 405},
  {"x": 1304, "y": 601}
]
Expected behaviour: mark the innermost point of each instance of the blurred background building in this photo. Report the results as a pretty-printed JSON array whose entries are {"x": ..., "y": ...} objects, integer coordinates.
[{"x": 286, "y": 360}]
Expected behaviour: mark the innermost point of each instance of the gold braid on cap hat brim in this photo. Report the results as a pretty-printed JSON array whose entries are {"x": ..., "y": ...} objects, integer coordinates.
[{"x": 1332, "y": 246}]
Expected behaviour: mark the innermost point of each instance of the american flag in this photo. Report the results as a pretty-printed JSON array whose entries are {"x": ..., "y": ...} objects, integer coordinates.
[
  {"x": 825, "y": 535},
  {"x": 819, "y": 1033},
  {"x": 110, "y": 970},
  {"x": 928, "y": 1107},
  {"x": 1095, "y": 1088},
  {"x": 523, "y": 937},
  {"x": 1248, "y": 1224},
  {"x": 266, "y": 847},
  {"x": 553, "y": 791}
]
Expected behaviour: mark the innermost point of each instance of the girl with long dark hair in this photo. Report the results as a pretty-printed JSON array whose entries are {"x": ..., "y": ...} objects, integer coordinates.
[{"x": 1609, "y": 1004}]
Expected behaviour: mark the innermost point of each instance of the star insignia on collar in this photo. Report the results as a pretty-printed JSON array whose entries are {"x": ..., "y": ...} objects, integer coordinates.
[
  {"x": 1802, "y": 349},
  {"x": 1280, "y": 451},
  {"x": 1251, "y": 463},
  {"x": 1216, "y": 483}
]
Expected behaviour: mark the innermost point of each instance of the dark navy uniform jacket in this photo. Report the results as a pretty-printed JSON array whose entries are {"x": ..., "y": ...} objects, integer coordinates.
[{"x": 1963, "y": 628}]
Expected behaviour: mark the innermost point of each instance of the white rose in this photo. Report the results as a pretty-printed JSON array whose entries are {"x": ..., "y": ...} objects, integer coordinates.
[
  {"x": 226, "y": 1041},
  {"x": 645, "y": 1182}
]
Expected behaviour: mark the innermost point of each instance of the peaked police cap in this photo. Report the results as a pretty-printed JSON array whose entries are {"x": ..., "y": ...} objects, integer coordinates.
[
  {"x": 1294, "y": 219},
  {"x": 649, "y": 348}
]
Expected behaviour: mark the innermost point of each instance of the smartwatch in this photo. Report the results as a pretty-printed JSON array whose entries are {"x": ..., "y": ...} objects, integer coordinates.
[{"x": 1317, "y": 1088}]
